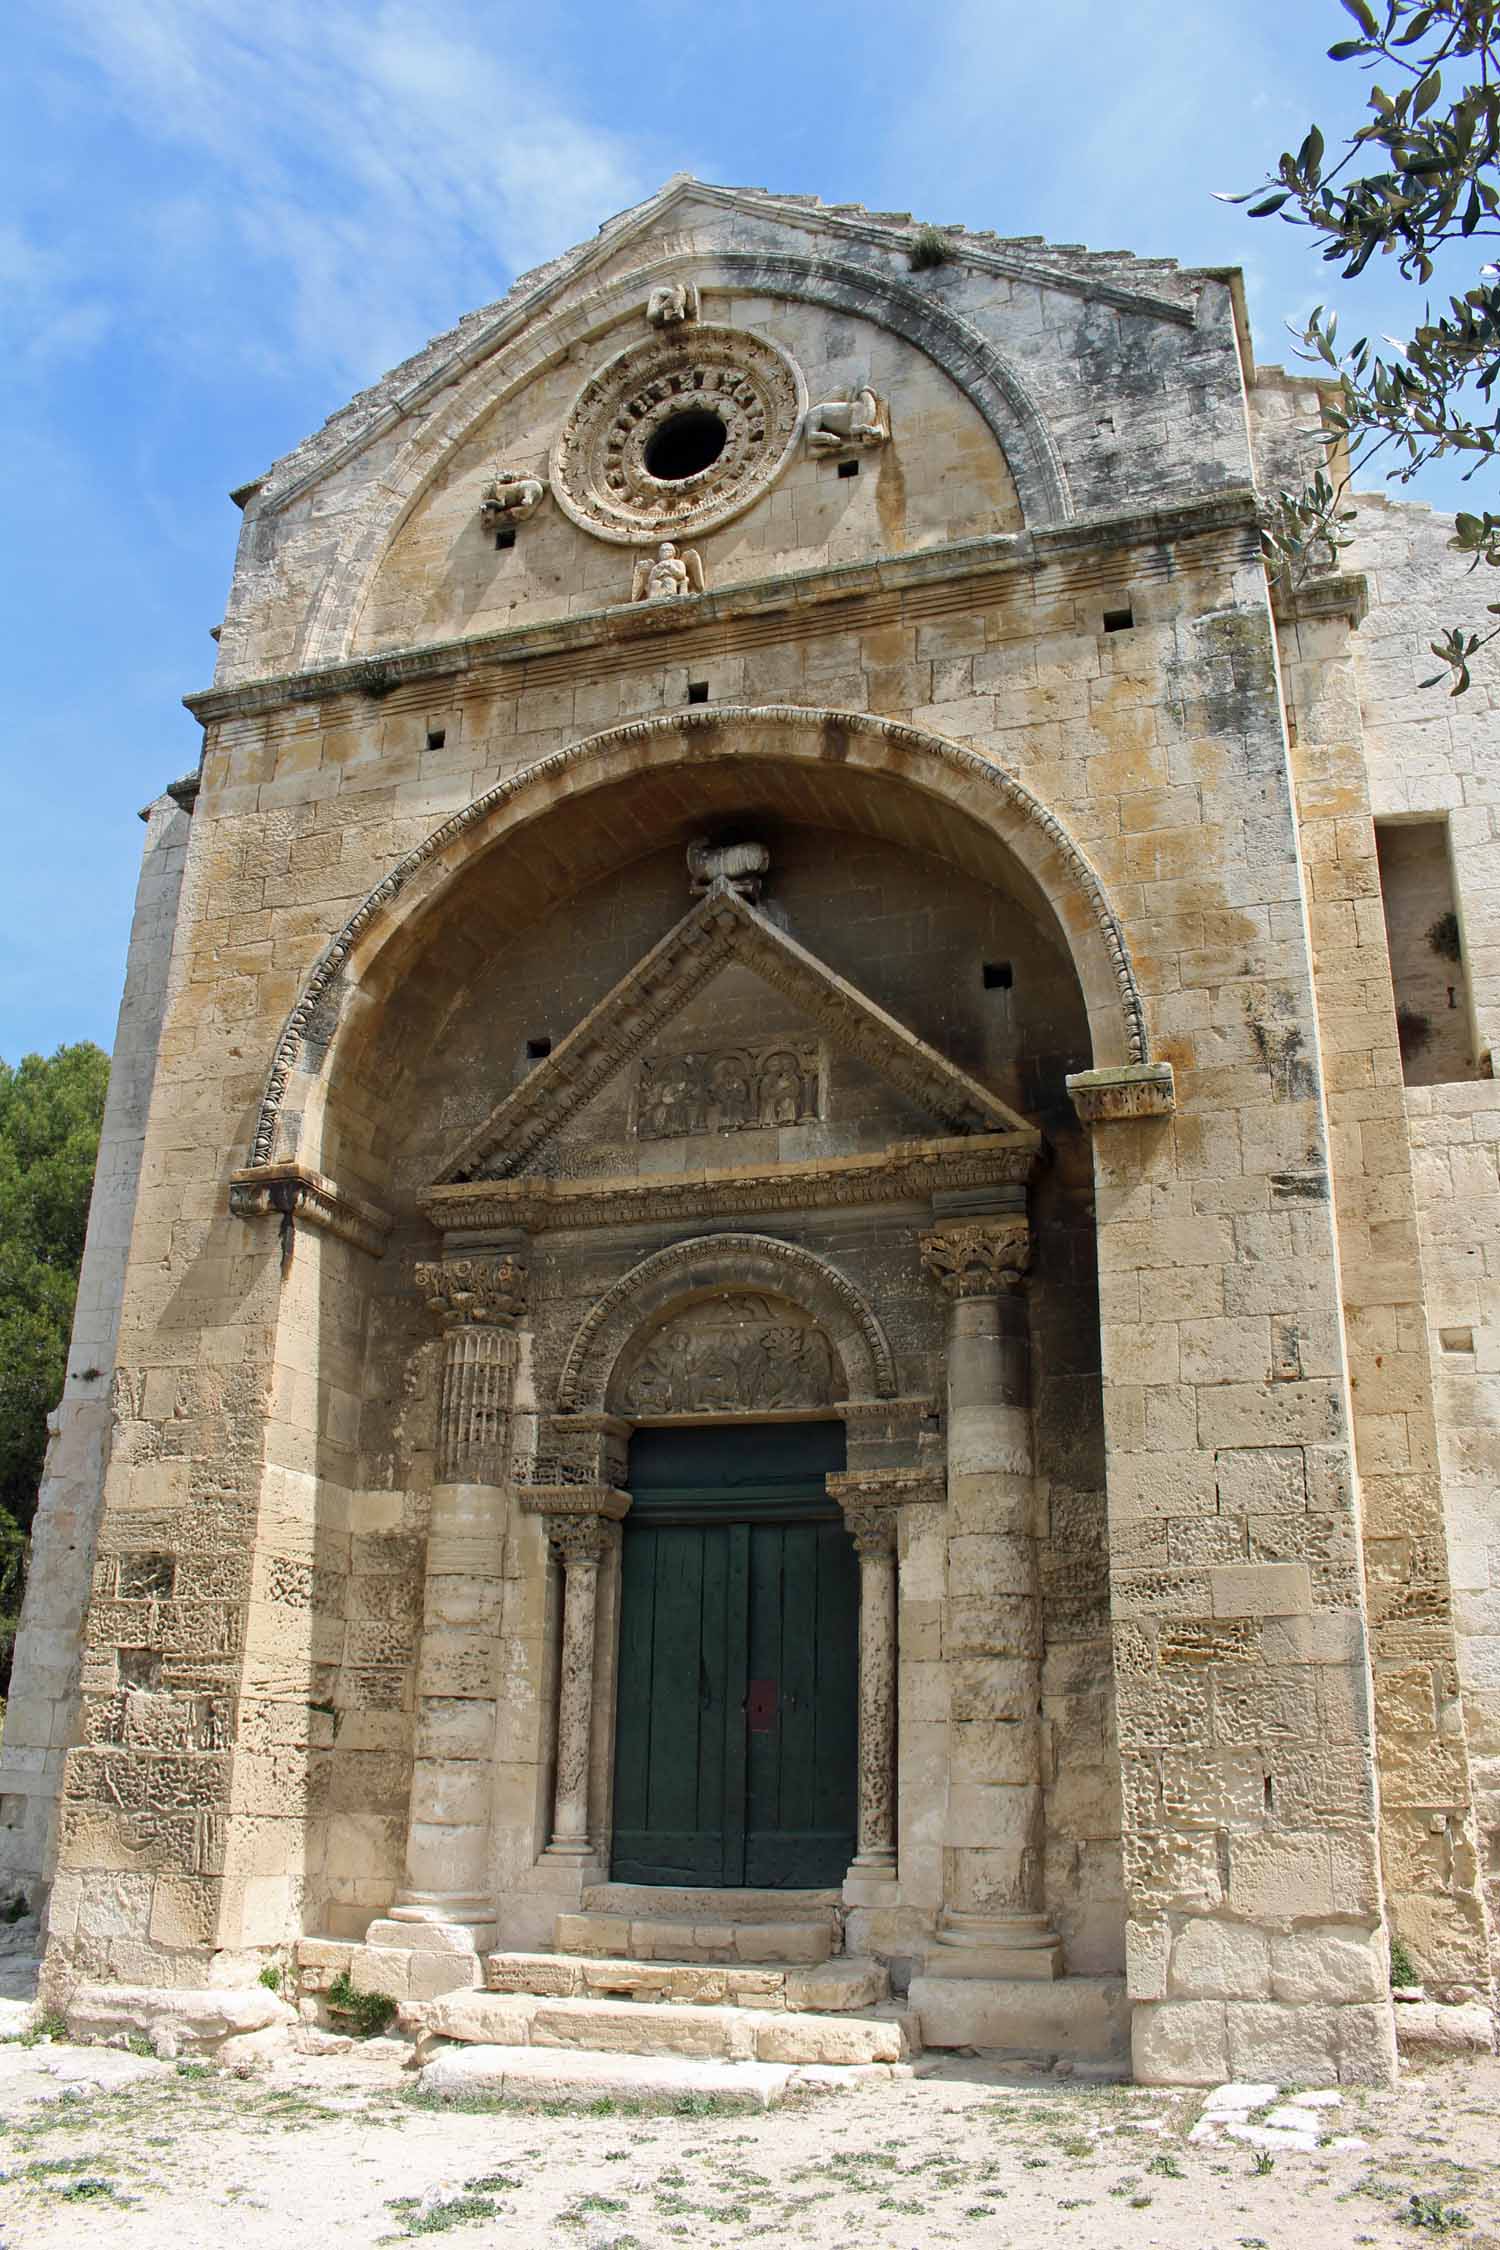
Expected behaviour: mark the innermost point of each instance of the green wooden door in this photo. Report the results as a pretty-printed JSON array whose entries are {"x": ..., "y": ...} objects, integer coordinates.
[{"x": 737, "y": 1739}]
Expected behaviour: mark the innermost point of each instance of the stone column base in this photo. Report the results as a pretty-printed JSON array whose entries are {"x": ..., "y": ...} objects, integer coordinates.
[
  {"x": 994, "y": 1945},
  {"x": 1084, "y": 2018}
]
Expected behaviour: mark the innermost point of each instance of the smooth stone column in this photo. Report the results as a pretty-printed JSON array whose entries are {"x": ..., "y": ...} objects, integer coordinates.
[
  {"x": 580, "y": 1544},
  {"x": 992, "y": 1924},
  {"x": 447, "y": 1890},
  {"x": 873, "y": 1530}
]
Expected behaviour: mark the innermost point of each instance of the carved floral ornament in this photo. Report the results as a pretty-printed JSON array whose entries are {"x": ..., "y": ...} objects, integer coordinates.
[
  {"x": 979, "y": 1257},
  {"x": 481, "y": 1291}
]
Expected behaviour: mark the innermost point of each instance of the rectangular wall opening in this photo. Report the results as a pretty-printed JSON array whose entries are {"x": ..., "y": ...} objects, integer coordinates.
[{"x": 1427, "y": 969}]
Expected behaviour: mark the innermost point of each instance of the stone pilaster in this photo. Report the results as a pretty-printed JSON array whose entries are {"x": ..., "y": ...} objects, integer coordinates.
[
  {"x": 477, "y": 1302},
  {"x": 992, "y": 1924}
]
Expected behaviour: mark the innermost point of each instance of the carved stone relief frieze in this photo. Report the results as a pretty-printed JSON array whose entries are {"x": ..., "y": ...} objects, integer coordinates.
[
  {"x": 740, "y": 1354},
  {"x": 756, "y": 1084}
]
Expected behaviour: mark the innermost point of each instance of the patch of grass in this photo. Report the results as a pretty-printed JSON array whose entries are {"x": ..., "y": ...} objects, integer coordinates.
[
  {"x": 270, "y": 1977},
  {"x": 91, "y": 2189},
  {"x": 1434, "y": 2215},
  {"x": 1403, "y": 1967},
  {"x": 369, "y": 2012},
  {"x": 928, "y": 250},
  {"x": 1262, "y": 2162},
  {"x": 48, "y": 2025},
  {"x": 139, "y": 2044},
  {"x": 1166, "y": 2168}
]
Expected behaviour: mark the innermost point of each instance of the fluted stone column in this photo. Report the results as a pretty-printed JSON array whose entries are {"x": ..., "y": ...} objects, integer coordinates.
[
  {"x": 873, "y": 1530},
  {"x": 992, "y": 1923},
  {"x": 580, "y": 1544},
  {"x": 477, "y": 1302}
]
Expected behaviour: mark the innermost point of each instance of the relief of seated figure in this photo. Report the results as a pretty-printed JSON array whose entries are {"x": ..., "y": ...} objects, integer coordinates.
[
  {"x": 670, "y": 576},
  {"x": 835, "y": 425}
]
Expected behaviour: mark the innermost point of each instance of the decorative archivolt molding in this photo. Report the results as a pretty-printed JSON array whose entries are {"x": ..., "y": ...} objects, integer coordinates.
[
  {"x": 946, "y": 769},
  {"x": 731, "y": 1264}
]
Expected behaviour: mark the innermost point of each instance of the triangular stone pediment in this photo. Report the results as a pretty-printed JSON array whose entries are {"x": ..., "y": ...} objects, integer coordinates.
[{"x": 722, "y": 930}]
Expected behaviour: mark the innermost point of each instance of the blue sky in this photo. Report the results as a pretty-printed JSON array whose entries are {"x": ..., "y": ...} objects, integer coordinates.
[{"x": 217, "y": 220}]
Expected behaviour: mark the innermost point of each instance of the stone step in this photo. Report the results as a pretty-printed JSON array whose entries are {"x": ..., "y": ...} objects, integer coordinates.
[
  {"x": 543, "y": 2074},
  {"x": 705, "y": 2033},
  {"x": 826, "y": 1988},
  {"x": 685, "y": 1937},
  {"x": 648, "y": 1901}
]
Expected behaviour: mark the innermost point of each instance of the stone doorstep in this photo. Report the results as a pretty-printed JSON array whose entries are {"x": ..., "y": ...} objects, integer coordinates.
[
  {"x": 541, "y": 2074},
  {"x": 836, "y": 1987},
  {"x": 712, "y": 1937},
  {"x": 704, "y": 2033}
]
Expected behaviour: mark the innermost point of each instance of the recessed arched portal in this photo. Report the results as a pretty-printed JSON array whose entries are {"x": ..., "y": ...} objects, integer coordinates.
[{"x": 523, "y": 847}]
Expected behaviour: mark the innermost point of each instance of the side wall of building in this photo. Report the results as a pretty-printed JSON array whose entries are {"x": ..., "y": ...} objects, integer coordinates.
[{"x": 42, "y": 1714}]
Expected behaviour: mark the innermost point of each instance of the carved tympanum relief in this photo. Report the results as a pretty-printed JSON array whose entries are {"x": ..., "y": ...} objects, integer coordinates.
[
  {"x": 510, "y": 498},
  {"x": 667, "y": 575},
  {"x": 672, "y": 304},
  {"x": 677, "y": 433},
  {"x": 743, "y": 1354},
  {"x": 744, "y": 1088},
  {"x": 853, "y": 419},
  {"x": 743, "y": 867}
]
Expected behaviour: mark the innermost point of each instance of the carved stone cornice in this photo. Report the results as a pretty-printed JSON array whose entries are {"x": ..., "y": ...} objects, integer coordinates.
[
  {"x": 978, "y": 1257},
  {"x": 484, "y": 1292},
  {"x": 1123, "y": 1095},
  {"x": 887, "y": 1488},
  {"x": 722, "y": 927},
  {"x": 291, "y": 1191},
  {"x": 906, "y": 1172},
  {"x": 562, "y": 1501},
  {"x": 1335, "y": 593}
]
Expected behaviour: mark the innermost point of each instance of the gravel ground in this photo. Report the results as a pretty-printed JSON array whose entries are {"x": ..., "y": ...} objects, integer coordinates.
[{"x": 339, "y": 2151}]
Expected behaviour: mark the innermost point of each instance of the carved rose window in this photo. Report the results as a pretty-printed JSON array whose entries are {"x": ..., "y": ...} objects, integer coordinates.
[{"x": 677, "y": 434}]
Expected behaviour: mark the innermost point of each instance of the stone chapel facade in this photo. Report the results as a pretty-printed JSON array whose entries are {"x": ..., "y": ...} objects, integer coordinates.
[{"x": 794, "y": 1267}]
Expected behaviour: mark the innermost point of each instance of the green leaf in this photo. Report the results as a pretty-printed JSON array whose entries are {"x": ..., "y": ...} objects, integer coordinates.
[
  {"x": 1270, "y": 203},
  {"x": 1427, "y": 92},
  {"x": 1345, "y": 50},
  {"x": 1362, "y": 17}
]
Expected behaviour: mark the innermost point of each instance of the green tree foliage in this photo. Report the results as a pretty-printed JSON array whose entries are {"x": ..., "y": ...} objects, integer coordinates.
[
  {"x": 50, "y": 1113},
  {"x": 1421, "y": 175}
]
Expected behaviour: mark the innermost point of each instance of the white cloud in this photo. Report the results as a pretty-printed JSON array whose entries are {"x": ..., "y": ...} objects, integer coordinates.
[{"x": 355, "y": 174}]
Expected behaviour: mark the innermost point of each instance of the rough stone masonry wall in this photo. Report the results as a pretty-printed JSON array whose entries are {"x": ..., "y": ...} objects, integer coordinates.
[
  {"x": 1428, "y": 1837},
  {"x": 1430, "y": 753},
  {"x": 43, "y": 1707}
]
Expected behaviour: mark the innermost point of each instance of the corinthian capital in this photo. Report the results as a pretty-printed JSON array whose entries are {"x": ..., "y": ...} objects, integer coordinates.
[
  {"x": 484, "y": 1292},
  {"x": 978, "y": 1257}
]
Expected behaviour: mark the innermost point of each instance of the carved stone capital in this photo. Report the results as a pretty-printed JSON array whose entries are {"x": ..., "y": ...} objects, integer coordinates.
[
  {"x": 870, "y": 1526},
  {"x": 978, "y": 1257},
  {"x": 487, "y": 1292},
  {"x": 581, "y": 1539}
]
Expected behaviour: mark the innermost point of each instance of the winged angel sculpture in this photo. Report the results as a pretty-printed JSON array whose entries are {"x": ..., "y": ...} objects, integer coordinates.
[{"x": 668, "y": 576}]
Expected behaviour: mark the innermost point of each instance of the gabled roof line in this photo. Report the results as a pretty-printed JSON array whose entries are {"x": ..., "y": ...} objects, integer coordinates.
[
  {"x": 512, "y": 311},
  {"x": 721, "y": 927}
]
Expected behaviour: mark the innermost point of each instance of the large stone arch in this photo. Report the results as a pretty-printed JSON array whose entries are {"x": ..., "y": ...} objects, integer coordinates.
[
  {"x": 726, "y": 1263},
  {"x": 941, "y": 781},
  {"x": 959, "y": 350}
]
